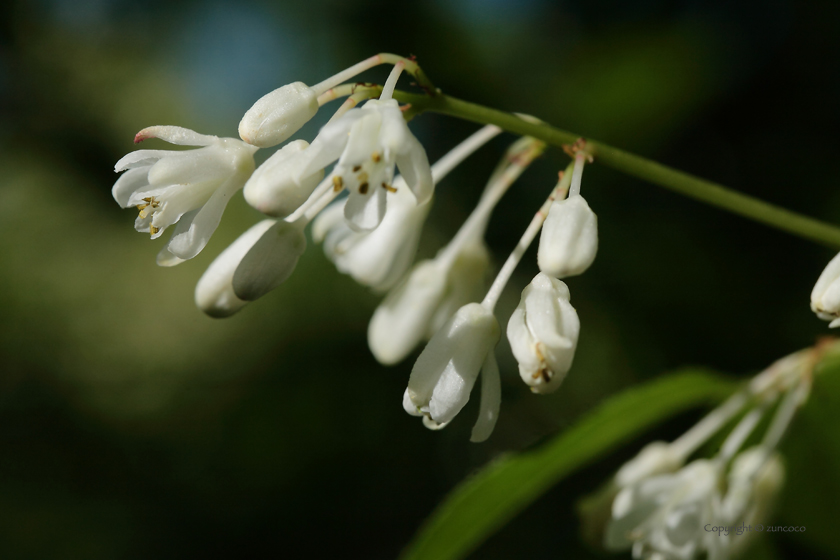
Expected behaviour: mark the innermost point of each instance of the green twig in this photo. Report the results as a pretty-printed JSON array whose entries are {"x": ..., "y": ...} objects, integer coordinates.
[{"x": 658, "y": 174}]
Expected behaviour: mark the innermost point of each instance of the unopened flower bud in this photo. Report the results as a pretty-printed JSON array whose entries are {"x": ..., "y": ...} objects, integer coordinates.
[
  {"x": 278, "y": 115},
  {"x": 269, "y": 261},
  {"x": 569, "y": 239},
  {"x": 825, "y": 297},
  {"x": 214, "y": 292},
  {"x": 274, "y": 188},
  {"x": 543, "y": 333}
]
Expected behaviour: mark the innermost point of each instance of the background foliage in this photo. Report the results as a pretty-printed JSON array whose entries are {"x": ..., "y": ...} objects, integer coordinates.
[{"x": 134, "y": 427}]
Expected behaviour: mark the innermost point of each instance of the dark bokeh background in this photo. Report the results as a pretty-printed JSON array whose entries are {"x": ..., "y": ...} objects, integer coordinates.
[{"x": 131, "y": 426}]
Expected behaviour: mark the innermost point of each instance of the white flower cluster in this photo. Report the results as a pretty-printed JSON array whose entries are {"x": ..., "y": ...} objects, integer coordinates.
[
  {"x": 372, "y": 233},
  {"x": 666, "y": 511}
]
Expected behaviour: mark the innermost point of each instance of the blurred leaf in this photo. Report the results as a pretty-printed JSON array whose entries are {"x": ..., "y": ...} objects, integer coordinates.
[
  {"x": 485, "y": 502},
  {"x": 812, "y": 453}
]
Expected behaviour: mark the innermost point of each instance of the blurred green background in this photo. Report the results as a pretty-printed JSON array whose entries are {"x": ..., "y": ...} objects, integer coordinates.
[{"x": 132, "y": 426}]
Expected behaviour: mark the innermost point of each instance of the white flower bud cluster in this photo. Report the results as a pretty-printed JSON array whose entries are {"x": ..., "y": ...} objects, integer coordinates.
[
  {"x": 371, "y": 234},
  {"x": 663, "y": 510}
]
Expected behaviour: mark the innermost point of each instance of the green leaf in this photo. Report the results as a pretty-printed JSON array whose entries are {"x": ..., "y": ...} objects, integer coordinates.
[{"x": 485, "y": 502}]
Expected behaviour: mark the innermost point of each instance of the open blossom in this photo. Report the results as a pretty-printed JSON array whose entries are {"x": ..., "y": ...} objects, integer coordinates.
[
  {"x": 278, "y": 114},
  {"x": 368, "y": 142},
  {"x": 275, "y": 188},
  {"x": 431, "y": 293},
  {"x": 444, "y": 374},
  {"x": 189, "y": 187},
  {"x": 825, "y": 297},
  {"x": 379, "y": 258},
  {"x": 543, "y": 333}
]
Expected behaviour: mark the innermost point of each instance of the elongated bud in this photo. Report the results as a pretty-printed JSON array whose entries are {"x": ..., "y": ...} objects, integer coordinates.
[
  {"x": 270, "y": 261},
  {"x": 278, "y": 115},
  {"x": 274, "y": 188},
  {"x": 569, "y": 239},
  {"x": 543, "y": 333},
  {"x": 444, "y": 374},
  {"x": 214, "y": 292},
  {"x": 825, "y": 297}
]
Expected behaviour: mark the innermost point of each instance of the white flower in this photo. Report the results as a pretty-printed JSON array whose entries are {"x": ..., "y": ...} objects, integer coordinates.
[
  {"x": 663, "y": 517},
  {"x": 431, "y": 293},
  {"x": 569, "y": 239},
  {"x": 444, "y": 374},
  {"x": 368, "y": 142},
  {"x": 657, "y": 457},
  {"x": 214, "y": 292},
  {"x": 543, "y": 333},
  {"x": 278, "y": 115},
  {"x": 274, "y": 188},
  {"x": 825, "y": 297},
  {"x": 379, "y": 258},
  {"x": 190, "y": 187}
]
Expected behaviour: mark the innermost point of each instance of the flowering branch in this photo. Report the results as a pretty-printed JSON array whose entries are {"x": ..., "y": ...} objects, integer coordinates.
[{"x": 637, "y": 166}]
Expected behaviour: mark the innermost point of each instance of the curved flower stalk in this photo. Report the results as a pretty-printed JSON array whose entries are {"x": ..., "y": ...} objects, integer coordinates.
[
  {"x": 569, "y": 239},
  {"x": 825, "y": 297},
  {"x": 380, "y": 258},
  {"x": 434, "y": 289},
  {"x": 543, "y": 333},
  {"x": 190, "y": 188},
  {"x": 368, "y": 143}
]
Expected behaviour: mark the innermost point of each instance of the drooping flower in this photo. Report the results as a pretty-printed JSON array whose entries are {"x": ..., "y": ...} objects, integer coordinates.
[
  {"x": 189, "y": 187},
  {"x": 426, "y": 298},
  {"x": 368, "y": 142},
  {"x": 275, "y": 188},
  {"x": 278, "y": 115},
  {"x": 663, "y": 517},
  {"x": 543, "y": 333},
  {"x": 825, "y": 297},
  {"x": 444, "y": 374},
  {"x": 657, "y": 457},
  {"x": 379, "y": 258}
]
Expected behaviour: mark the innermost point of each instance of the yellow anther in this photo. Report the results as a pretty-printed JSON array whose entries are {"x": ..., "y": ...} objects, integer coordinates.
[{"x": 376, "y": 157}]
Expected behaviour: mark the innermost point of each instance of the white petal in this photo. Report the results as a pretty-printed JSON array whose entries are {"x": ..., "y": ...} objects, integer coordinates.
[
  {"x": 329, "y": 144},
  {"x": 270, "y": 261},
  {"x": 166, "y": 258},
  {"x": 175, "y": 135},
  {"x": 190, "y": 166},
  {"x": 466, "y": 283},
  {"x": 141, "y": 158},
  {"x": 330, "y": 218},
  {"x": 363, "y": 140},
  {"x": 214, "y": 292},
  {"x": 128, "y": 183},
  {"x": 394, "y": 135},
  {"x": 414, "y": 167},
  {"x": 188, "y": 244},
  {"x": 491, "y": 398},
  {"x": 365, "y": 212},
  {"x": 827, "y": 277},
  {"x": 409, "y": 406},
  {"x": 278, "y": 115}
]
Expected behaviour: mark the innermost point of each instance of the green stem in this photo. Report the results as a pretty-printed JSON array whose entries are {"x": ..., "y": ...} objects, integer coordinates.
[{"x": 658, "y": 174}]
